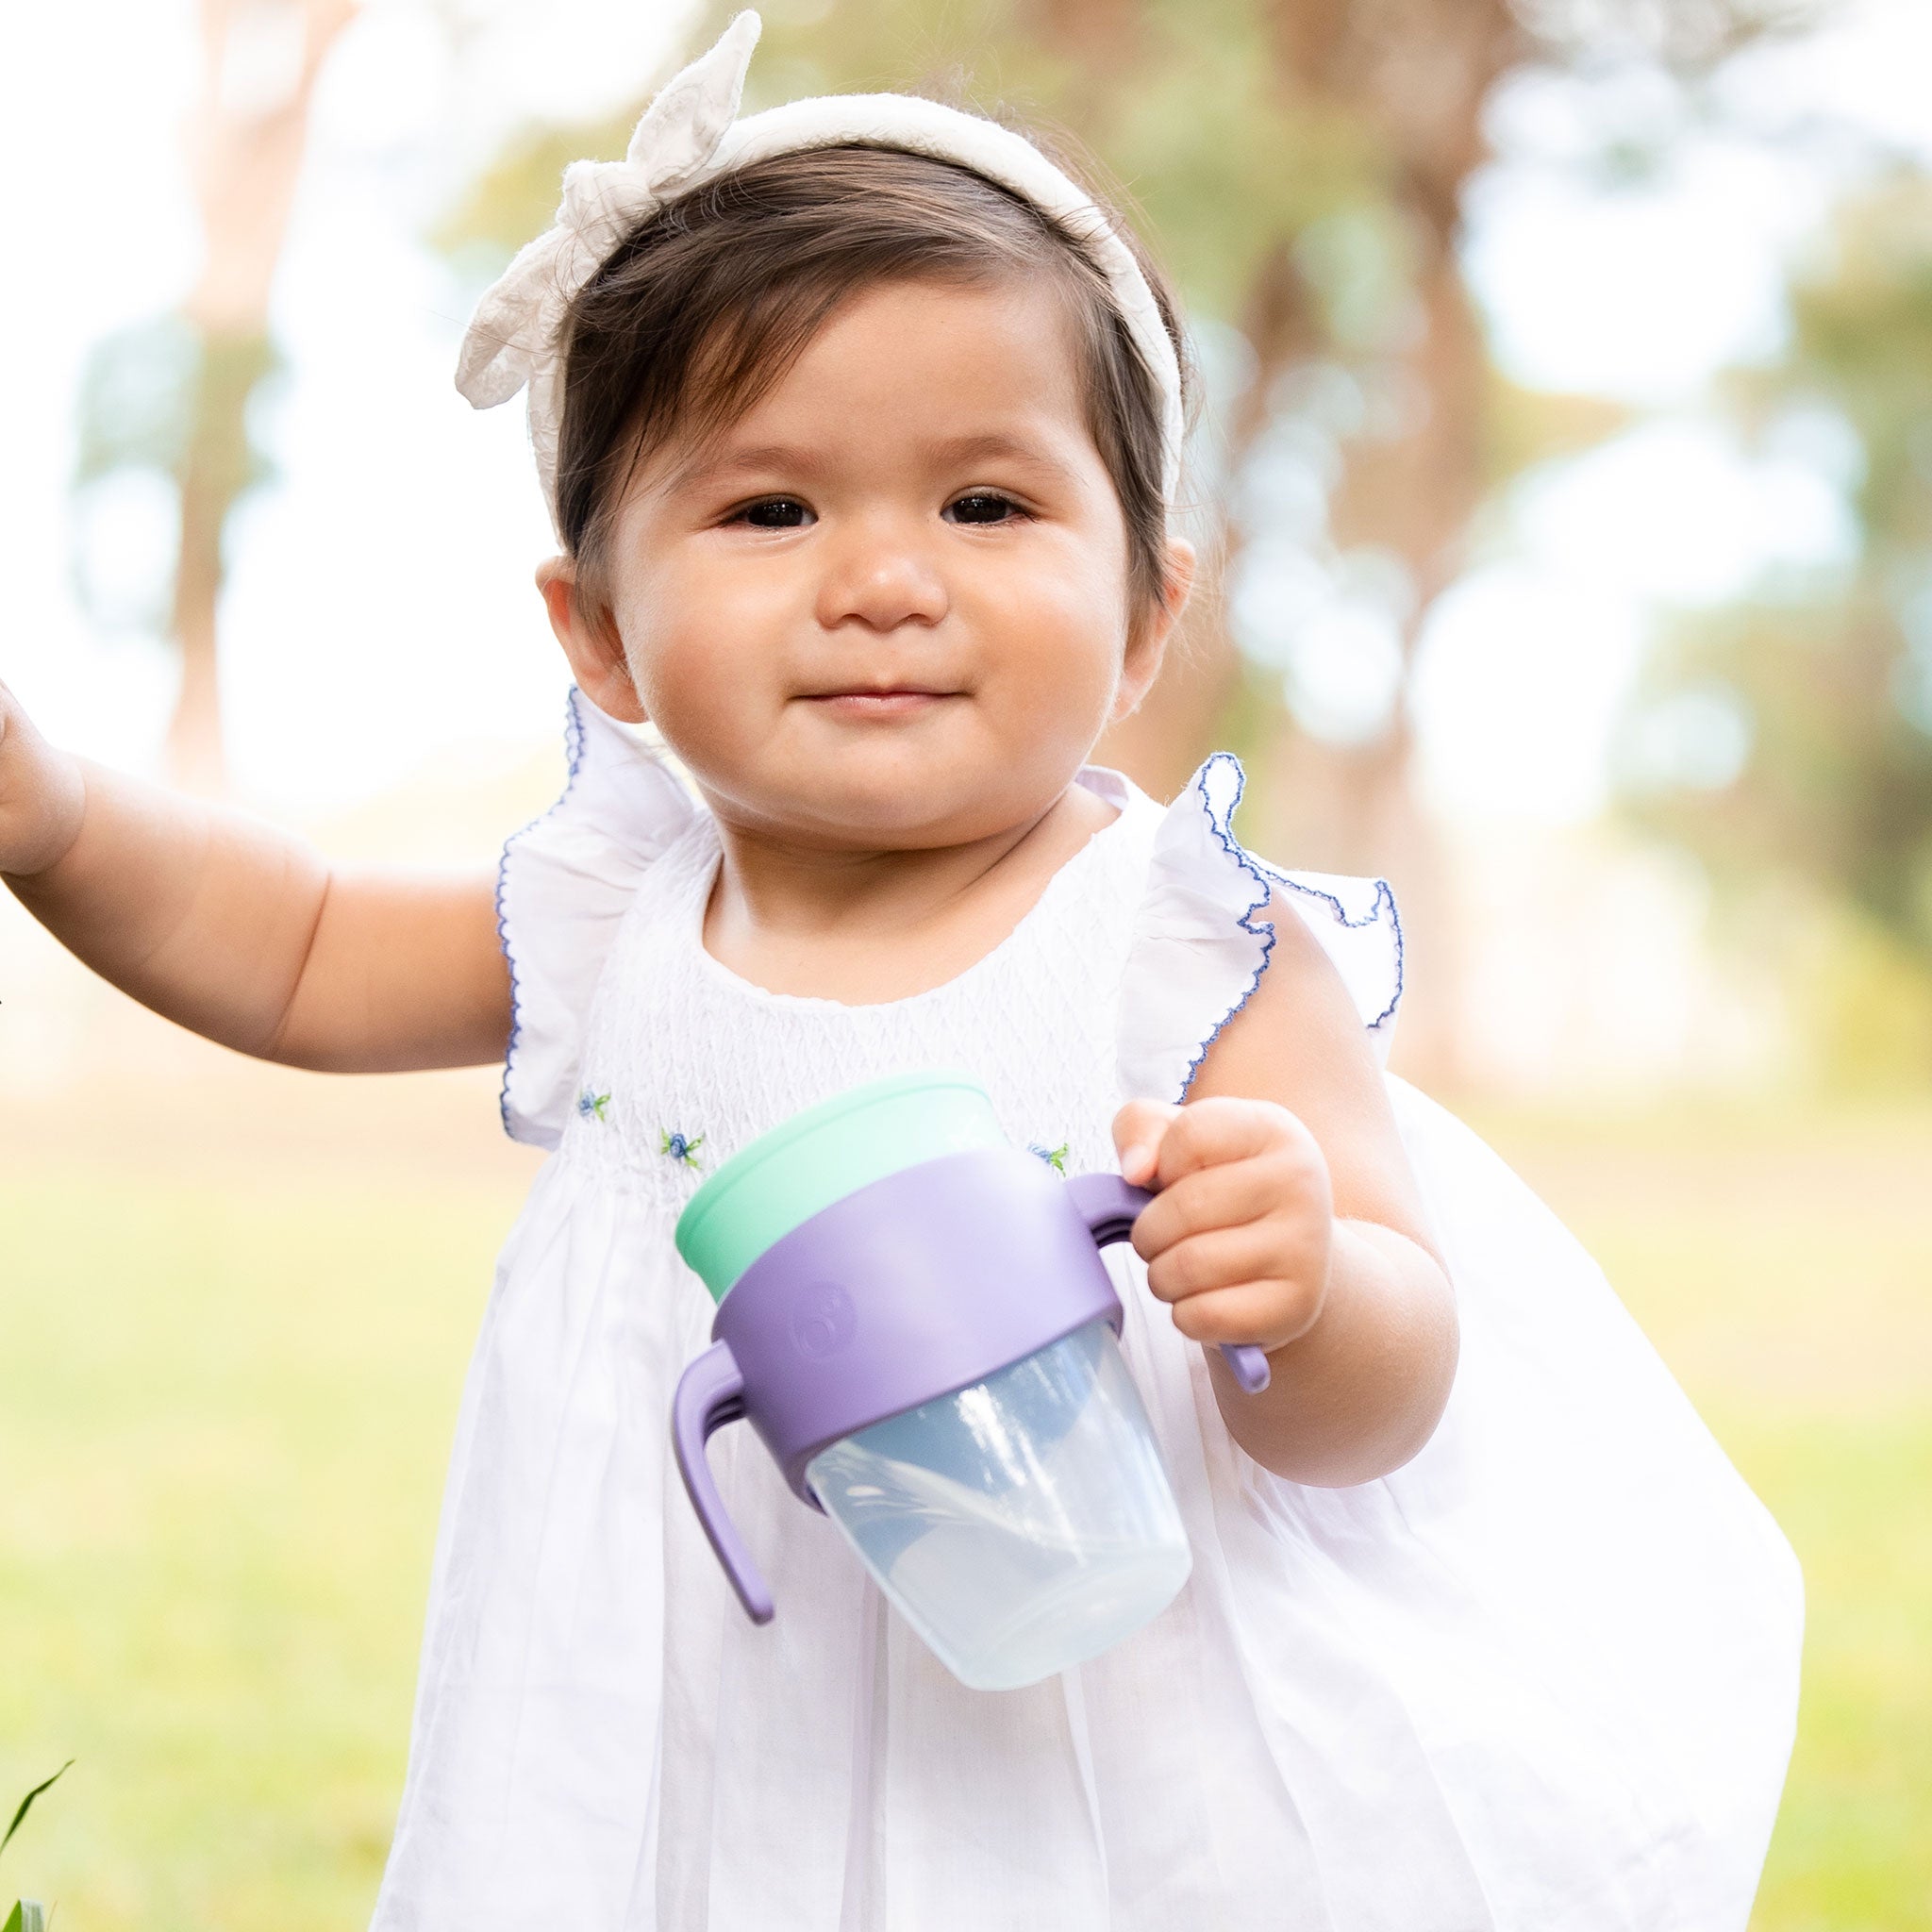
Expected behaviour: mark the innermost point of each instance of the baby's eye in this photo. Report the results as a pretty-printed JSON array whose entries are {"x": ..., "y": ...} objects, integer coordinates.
[
  {"x": 775, "y": 513},
  {"x": 982, "y": 507}
]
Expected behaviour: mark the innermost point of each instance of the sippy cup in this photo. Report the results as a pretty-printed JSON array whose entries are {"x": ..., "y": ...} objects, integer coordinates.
[{"x": 914, "y": 1317}]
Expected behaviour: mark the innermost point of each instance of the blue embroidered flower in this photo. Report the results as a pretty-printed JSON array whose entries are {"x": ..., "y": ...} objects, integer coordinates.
[
  {"x": 1056, "y": 1158},
  {"x": 590, "y": 1106},
  {"x": 679, "y": 1148}
]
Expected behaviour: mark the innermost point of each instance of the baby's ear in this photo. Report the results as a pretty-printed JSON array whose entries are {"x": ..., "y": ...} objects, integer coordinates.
[
  {"x": 589, "y": 635},
  {"x": 1148, "y": 640}
]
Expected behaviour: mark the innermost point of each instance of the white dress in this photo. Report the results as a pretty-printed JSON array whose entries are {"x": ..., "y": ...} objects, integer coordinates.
[{"x": 1544, "y": 1677}]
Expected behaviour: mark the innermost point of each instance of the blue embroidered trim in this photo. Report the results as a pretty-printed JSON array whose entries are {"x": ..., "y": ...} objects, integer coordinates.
[
  {"x": 573, "y": 757},
  {"x": 1385, "y": 895},
  {"x": 1264, "y": 932},
  {"x": 1261, "y": 873}
]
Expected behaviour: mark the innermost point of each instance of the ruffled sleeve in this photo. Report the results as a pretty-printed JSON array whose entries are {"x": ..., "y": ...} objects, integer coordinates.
[
  {"x": 1201, "y": 945},
  {"x": 561, "y": 892}
]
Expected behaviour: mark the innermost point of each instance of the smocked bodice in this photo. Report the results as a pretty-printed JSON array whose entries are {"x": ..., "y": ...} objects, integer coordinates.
[{"x": 684, "y": 1062}]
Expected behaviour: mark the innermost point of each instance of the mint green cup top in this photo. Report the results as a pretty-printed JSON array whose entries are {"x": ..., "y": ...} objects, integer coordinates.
[{"x": 819, "y": 1155}]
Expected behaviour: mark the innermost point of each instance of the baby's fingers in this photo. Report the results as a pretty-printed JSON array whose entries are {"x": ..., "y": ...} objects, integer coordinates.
[
  {"x": 1214, "y": 1197},
  {"x": 1218, "y": 1259},
  {"x": 43, "y": 795},
  {"x": 1138, "y": 1128},
  {"x": 1262, "y": 1314}
]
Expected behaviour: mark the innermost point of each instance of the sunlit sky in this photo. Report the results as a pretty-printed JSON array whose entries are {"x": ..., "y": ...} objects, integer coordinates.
[{"x": 379, "y": 615}]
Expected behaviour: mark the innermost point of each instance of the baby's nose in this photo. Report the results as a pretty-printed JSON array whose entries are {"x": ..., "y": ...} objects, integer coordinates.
[{"x": 880, "y": 578}]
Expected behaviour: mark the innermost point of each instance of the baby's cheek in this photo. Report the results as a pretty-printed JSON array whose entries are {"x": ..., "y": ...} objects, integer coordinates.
[{"x": 712, "y": 696}]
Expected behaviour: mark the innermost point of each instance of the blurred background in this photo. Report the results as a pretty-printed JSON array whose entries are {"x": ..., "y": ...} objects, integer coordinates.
[{"x": 1566, "y": 454}]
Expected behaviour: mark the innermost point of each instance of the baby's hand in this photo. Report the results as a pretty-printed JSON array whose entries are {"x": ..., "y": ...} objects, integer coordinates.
[
  {"x": 41, "y": 794},
  {"x": 1240, "y": 1235}
]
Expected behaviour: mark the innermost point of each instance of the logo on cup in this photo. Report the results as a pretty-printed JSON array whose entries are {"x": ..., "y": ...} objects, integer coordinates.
[{"x": 824, "y": 1321}]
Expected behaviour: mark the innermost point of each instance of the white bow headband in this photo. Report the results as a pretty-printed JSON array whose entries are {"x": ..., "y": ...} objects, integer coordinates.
[{"x": 689, "y": 136}]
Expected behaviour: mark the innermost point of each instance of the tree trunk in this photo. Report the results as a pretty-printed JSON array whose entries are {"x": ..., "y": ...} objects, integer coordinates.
[
  {"x": 214, "y": 472},
  {"x": 260, "y": 59},
  {"x": 194, "y": 735}
]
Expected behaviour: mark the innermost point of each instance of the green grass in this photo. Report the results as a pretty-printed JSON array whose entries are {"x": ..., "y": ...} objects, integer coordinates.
[
  {"x": 225, "y": 1426},
  {"x": 227, "y": 1411},
  {"x": 1783, "y": 1265},
  {"x": 1852, "y": 1851}
]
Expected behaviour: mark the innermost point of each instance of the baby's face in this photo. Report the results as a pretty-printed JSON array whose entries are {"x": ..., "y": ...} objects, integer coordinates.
[{"x": 889, "y": 606}]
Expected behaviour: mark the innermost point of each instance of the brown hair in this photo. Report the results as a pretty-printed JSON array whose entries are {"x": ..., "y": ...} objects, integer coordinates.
[{"x": 710, "y": 299}]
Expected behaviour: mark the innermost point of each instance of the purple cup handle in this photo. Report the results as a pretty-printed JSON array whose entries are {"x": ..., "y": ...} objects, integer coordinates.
[
  {"x": 710, "y": 1393},
  {"x": 1109, "y": 1207}
]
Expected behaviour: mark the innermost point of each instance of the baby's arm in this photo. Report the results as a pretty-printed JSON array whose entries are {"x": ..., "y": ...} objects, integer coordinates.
[
  {"x": 243, "y": 933},
  {"x": 1287, "y": 1217}
]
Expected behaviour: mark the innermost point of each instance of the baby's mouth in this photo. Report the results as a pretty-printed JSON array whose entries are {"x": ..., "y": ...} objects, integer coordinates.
[{"x": 884, "y": 702}]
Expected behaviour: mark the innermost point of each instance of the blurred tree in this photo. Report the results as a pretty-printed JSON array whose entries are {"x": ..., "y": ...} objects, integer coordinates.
[
  {"x": 1791, "y": 735},
  {"x": 170, "y": 398},
  {"x": 1302, "y": 165}
]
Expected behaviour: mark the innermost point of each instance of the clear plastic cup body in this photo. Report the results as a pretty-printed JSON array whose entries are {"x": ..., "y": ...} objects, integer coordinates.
[{"x": 1020, "y": 1525}]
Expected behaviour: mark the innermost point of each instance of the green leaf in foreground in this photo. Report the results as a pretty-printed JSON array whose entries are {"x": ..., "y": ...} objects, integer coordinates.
[
  {"x": 26, "y": 1915},
  {"x": 25, "y": 1805}
]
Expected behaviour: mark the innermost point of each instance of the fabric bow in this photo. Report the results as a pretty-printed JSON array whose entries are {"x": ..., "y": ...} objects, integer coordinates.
[{"x": 513, "y": 336}]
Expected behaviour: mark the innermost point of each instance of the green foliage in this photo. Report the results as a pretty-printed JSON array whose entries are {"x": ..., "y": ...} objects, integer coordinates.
[
  {"x": 1833, "y": 680},
  {"x": 1184, "y": 106},
  {"x": 512, "y": 200},
  {"x": 1836, "y": 787},
  {"x": 26, "y": 1805},
  {"x": 137, "y": 399},
  {"x": 27, "y": 1914},
  {"x": 1522, "y": 427},
  {"x": 1867, "y": 1005},
  {"x": 1218, "y": 188},
  {"x": 164, "y": 393},
  {"x": 171, "y": 400},
  {"x": 1862, "y": 315}
]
